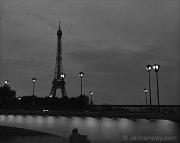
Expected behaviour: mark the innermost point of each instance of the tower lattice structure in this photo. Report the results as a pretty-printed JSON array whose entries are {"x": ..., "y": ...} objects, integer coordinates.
[{"x": 59, "y": 76}]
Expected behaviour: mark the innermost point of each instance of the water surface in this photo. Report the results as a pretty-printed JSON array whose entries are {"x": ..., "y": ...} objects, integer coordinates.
[{"x": 17, "y": 135}]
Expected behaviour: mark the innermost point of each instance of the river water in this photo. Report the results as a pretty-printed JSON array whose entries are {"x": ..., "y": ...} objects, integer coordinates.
[{"x": 17, "y": 135}]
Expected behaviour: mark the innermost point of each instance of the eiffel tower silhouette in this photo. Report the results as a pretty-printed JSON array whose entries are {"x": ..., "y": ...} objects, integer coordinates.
[{"x": 59, "y": 76}]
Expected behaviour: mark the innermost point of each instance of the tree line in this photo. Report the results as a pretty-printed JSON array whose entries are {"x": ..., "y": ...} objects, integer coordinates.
[{"x": 8, "y": 99}]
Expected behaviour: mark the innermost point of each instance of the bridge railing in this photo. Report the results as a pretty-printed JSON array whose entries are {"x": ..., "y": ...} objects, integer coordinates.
[
  {"x": 137, "y": 108},
  {"x": 171, "y": 112}
]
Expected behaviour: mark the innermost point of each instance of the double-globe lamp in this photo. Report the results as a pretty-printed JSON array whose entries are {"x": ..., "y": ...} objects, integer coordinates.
[
  {"x": 156, "y": 68},
  {"x": 63, "y": 76}
]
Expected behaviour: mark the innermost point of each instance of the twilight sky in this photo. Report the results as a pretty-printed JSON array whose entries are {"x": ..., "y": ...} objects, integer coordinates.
[{"x": 110, "y": 41}]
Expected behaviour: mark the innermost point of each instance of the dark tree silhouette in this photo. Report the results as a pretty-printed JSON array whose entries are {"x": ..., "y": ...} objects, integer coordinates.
[
  {"x": 78, "y": 103},
  {"x": 63, "y": 102},
  {"x": 83, "y": 100},
  {"x": 73, "y": 102},
  {"x": 6, "y": 94},
  {"x": 8, "y": 100}
]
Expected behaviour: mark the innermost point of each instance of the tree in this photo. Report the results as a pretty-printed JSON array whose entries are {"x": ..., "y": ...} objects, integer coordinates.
[
  {"x": 73, "y": 102},
  {"x": 6, "y": 94},
  {"x": 83, "y": 100},
  {"x": 63, "y": 102}
]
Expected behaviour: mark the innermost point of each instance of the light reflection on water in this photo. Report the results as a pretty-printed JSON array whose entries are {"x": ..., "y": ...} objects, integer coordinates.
[{"x": 98, "y": 130}]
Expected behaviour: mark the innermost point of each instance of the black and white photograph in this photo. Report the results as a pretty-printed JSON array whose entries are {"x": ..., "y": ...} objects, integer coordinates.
[{"x": 89, "y": 71}]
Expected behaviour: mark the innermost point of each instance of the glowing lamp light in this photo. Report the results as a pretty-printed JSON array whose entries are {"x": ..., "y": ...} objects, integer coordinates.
[
  {"x": 34, "y": 79},
  {"x": 148, "y": 67},
  {"x": 91, "y": 92},
  {"x": 6, "y": 82},
  {"x": 63, "y": 76},
  {"x": 81, "y": 74},
  {"x": 145, "y": 90},
  {"x": 156, "y": 67}
]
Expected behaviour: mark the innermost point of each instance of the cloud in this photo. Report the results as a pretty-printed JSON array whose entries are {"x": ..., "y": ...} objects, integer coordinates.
[
  {"x": 25, "y": 66},
  {"x": 114, "y": 60}
]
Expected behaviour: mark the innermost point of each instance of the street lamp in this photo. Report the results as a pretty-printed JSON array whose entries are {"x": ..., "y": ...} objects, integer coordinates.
[
  {"x": 156, "y": 68},
  {"x": 81, "y": 74},
  {"x": 34, "y": 80},
  {"x": 63, "y": 76},
  {"x": 91, "y": 93},
  {"x": 6, "y": 82},
  {"x": 145, "y": 91},
  {"x": 148, "y": 68}
]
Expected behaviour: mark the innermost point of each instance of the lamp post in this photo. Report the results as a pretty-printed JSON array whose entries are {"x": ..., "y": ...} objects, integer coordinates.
[
  {"x": 156, "y": 68},
  {"x": 91, "y": 93},
  {"x": 34, "y": 80},
  {"x": 148, "y": 68},
  {"x": 145, "y": 91},
  {"x": 81, "y": 74}
]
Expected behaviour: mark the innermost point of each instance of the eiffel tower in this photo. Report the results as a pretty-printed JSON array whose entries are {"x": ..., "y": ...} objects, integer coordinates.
[{"x": 59, "y": 76}]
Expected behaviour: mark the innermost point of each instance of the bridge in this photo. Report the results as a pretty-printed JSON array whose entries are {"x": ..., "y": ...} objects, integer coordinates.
[{"x": 101, "y": 123}]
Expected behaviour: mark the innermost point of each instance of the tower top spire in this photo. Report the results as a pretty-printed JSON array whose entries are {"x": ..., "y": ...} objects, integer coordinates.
[
  {"x": 59, "y": 32},
  {"x": 59, "y": 25}
]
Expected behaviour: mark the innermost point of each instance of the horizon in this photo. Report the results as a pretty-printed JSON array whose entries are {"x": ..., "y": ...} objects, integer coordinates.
[{"x": 111, "y": 42}]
